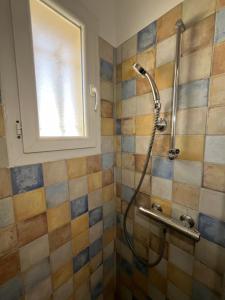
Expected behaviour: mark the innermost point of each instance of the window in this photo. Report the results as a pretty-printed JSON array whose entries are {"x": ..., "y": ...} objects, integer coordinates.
[{"x": 50, "y": 54}]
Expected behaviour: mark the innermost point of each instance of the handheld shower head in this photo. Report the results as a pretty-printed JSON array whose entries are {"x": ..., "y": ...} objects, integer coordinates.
[{"x": 155, "y": 92}]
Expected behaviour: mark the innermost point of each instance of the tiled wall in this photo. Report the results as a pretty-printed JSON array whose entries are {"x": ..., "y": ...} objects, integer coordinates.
[
  {"x": 57, "y": 219},
  {"x": 193, "y": 184}
]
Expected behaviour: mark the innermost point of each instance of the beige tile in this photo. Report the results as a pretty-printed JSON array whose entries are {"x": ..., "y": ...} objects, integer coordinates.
[
  {"x": 54, "y": 172},
  {"x": 30, "y": 204},
  {"x": 207, "y": 276},
  {"x": 187, "y": 195},
  {"x": 187, "y": 145},
  {"x": 94, "y": 181},
  {"x": 107, "y": 126},
  {"x": 42, "y": 290},
  {"x": 107, "y": 90},
  {"x": 128, "y": 107},
  {"x": 212, "y": 203},
  {"x": 78, "y": 187},
  {"x": 145, "y": 104},
  {"x": 95, "y": 199},
  {"x": 95, "y": 232},
  {"x": 142, "y": 86},
  {"x": 62, "y": 275},
  {"x": 165, "y": 51},
  {"x": 58, "y": 216},
  {"x": 108, "y": 193},
  {"x": 6, "y": 212},
  {"x": 198, "y": 36},
  {"x": 217, "y": 90},
  {"x": 218, "y": 66},
  {"x": 128, "y": 161},
  {"x": 191, "y": 121},
  {"x": 2, "y": 129},
  {"x": 194, "y": 11},
  {"x": 147, "y": 59},
  {"x": 128, "y": 177},
  {"x": 77, "y": 167},
  {"x": 166, "y": 24},
  {"x": 82, "y": 276},
  {"x": 180, "y": 279},
  {"x": 5, "y": 183},
  {"x": 8, "y": 239},
  {"x": 34, "y": 252},
  {"x": 162, "y": 188},
  {"x": 196, "y": 65},
  {"x": 129, "y": 48},
  {"x": 105, "y": 50},
  {"x": 164, "y": 76},
  {"x": 216, "y": 121},
  {"x": 128, "y": 126},
  {"x": 94, "y": 163},
  {"x": 214, "y": 177},
  {"x": 161, "y": 145},
  {"x": 106, "y": 109}
]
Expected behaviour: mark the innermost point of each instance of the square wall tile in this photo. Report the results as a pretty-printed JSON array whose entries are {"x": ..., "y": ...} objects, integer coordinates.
[
  {"x": 162, "y": 188},
  {"x": 79, "y": 206},
  {"x": 127, "y": 68},
  {"x": 126, "y": 193},
  {"x": 214, "y": 177},
  {"x": 94, "y": 163},
  {"x": 166, "y": 24},
  {"x": 181, "y": 279},
  {"x": 212, "y": 229},
  {"x": 10, "y": 267},
  {"x": 106, "y": 51},
  {"x": 195, "y": 11},
  {"x": 209, "y": 197},
  {"x": 78, "y": 187},
  {"x": 6, "y": 212},
  {"x": 77, "y": 167},
  {"x": 218, "y": 65},
  {"x": 80, "y": 224},
  {"x": 142, "y": 86},
  {"x": 186, "y": 195},
  {"x": 187, "y": 145},
  {"x": 106, "y": 109},
  {"x": 129, "y": 48},
  {"x": 128, "y": 89},
  {"x": 107, "y": 126},
  {"x": 107, "y": 144},
  {"x": 95, "y": 248},
  {"x": 5, "y": 183},
  {"x": 61, "y": 256},
  {"x": 58, "y": 216},
  {"x": 181, "y": 259},
  {"x": 144, "y": 124},
  {"x": 12, "y": 289},
  {"x": 164, "y": 76},
  {"x": 165, "y": 51},
  {"x": 26, "y": 178},
  {"x": 80, "y": 260},
  {"x": 184, "y": 170},
  {"x": 30, "y": 204},
  {"x": 128, "y": 126},
  {"x": 59, "y": 237},
  {"x": 200, "y": 291},
  {"x": 213, "y": 149},
  {"x": 162, "y": 167},
  {"x": 217, "y": 90},
  {"x": 106, "y": 70},
  {"x": 128, "y": 144},
  {"x": 193, "y": 94},
  {"x": 94, "y": 181},
  {"x": 107, "y": 90},
  {"x": 56, "y": 194},
  {"x": 146, "y": 37},
  {"x": 220, "y": 25},
  {"x": 95, "y": 216},
  {"x": 80, "y": 242},
  {"x": 62, "y": 275},
  {"x": 216, "y": 122},
  {"x": 8, "y": 239},
  {"x": 147, "y": 59},
  {"x": 107, "y": 160},
  {"x": 54, "y": 172},
  {"x": 220, "y": 4}
]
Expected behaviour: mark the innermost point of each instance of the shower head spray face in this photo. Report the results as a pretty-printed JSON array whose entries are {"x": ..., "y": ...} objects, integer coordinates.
[{"x": 140, "y": 70}]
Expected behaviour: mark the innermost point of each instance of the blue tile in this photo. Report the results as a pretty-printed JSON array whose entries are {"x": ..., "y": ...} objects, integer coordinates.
[
  {"x": 109, "y": 263},
  {"x": 146, "y": 37},
  {"x": 162, "y": 167},
  {"x": 201, "y": 292},
  {"x": 220, "y": 26},
  {"x": 128, "y": 143},
  {"x": 12, "y": 289},
  {"x": 109, "y": 221},
  {"x": 95, "y": 248},
  {"x": 126, "y": 193},
  {"x": 212, "y": 229},
  {"x": 96, "y": 291},
  {"x": 107, "y": 160},
  {"x": 106, "y": 70},
  {"x": 118, "y": 126},
  {"x": 79, "y": 206},
  {"x": 128, "y": 89},
  {"x": 56, "y": 194},
  {"x": 95, "y": 216},
  {"x": 26, "y": 178},
  {"x": 80, "y": 260},
  {"x": 125, "y": 266},
  {"x": 193, "y": 94}
]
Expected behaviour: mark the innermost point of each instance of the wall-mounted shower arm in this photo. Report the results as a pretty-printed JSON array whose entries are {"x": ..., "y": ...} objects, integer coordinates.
[{"x": 173, "y": 151}]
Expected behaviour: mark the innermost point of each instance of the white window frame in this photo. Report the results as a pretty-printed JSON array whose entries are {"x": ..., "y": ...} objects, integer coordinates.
[{"x": 18, "y": 85}]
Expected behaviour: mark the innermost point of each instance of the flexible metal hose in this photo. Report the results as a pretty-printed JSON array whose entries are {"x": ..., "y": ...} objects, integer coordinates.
[{"x": 132, "y": 200}]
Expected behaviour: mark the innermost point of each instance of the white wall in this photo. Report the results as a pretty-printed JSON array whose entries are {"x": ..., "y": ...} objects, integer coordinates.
[{"x": 120, "y": 19}]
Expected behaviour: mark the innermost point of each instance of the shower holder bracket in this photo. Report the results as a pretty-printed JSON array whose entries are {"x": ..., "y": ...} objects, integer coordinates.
[
  {"x": 161, "y": 124},
  {"x": 173, "y": 153}
]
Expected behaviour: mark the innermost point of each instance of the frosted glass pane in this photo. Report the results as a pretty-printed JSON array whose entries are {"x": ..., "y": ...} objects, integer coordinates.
[{"x": 58, "y": 72}]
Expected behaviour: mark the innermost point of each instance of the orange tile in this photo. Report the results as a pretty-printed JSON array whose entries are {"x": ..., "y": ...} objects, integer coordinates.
[
  {"x": 142, "y": 86},
  {"x": 186, "y": 195},
  {"x": 77, "y": 167},
  {"x": 107, "y": 177},
  {"x": 58, "y": 216},
  {"x": 9, "y": 267},
  {"x": 127, "y": 68},
  {"x": 187, "y": 145},
  {"x": 220, "y": 4},
  {"x": 165, "y": 204},
  {"x": 8, "y": 239},
  {"x": 139, "y": 163},
  {"x": 30, "y": 204},
  {"x": 108, "y": 236},
  {"x": 166, "y": 24},
  {"x": 140, "y": 281},
  {"x": 80, "y": 242},
  {"x": 31, "y": 229},
  {"x": 5, "y": 183},
  {"x": 59, "y": 237},
  {"x": 55, "y": 172},
  {"x": 106, "y": 109},
  {"x": 164, "y": 76},
  {"x": 62, "y": 275},
  {"x": 161, "y": 145},
  {"x": 218, "y": 59},
  {"x": 95, "y": 262},
  {"x": 94, "y": 163},
  {"x": 94, "y": 181},
  {"x": 82, "y": 276},
  {"x": 80, "y": 224}
]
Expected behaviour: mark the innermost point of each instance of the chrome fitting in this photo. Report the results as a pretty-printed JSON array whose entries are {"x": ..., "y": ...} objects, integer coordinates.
[
  {"x": 187, "y": 221},
  {"x": 161, "y": 124},
  {"x": 173, "y": 153}
]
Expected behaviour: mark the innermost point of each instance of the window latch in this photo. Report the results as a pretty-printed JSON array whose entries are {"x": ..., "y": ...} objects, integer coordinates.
[
  {"x": 18, "y": 129},
  {"x": 94, "y": 93}
]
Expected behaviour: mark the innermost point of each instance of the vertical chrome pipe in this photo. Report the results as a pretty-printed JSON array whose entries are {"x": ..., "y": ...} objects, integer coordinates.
[{"x": 173, "y": 151}]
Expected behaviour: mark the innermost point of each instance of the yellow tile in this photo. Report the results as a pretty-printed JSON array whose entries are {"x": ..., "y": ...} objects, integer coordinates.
[
  {"x": 62, "y": 275},
  {"x": 58, "y": 216},
  {"x": 164, "y": 76},
  {"x": 165, "y": 204},
  {"x": 142, "y": 86},
  {"x": 77, "y": 167},
  {"x": 79, "y": 224},
  {"x": 119, "y": 73},
  {"x": 107, "y": 127},
  {"x": 95, "y": 262},
  {"x": 94, "y": 181},
  {"x": 218, "y": 66},
  {"x": 128, "y": 126},
  {"x": 5, "y": 183},
  {"x": 108, "y": 236},
  {"x": 29, "y": 204},
  {"x": 118, "y": 109},
  {"x": 2, "y": 130},
  {"x": 147, "y": 59},
  {"x": 180, "y": 279},
  {"x": 158, "y": 280},
  {"x": 144, "y": 124},
  {"x": 191, "y": 147},
  {"x": 127, "y": 68},
  {"x": 80, "y": 242},
  {"x": 82, "y": 275},
  {"x": 108, "y": 193}
]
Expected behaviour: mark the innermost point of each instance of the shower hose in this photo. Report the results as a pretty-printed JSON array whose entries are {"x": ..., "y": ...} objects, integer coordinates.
[{"x": 133, "y": 198}]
